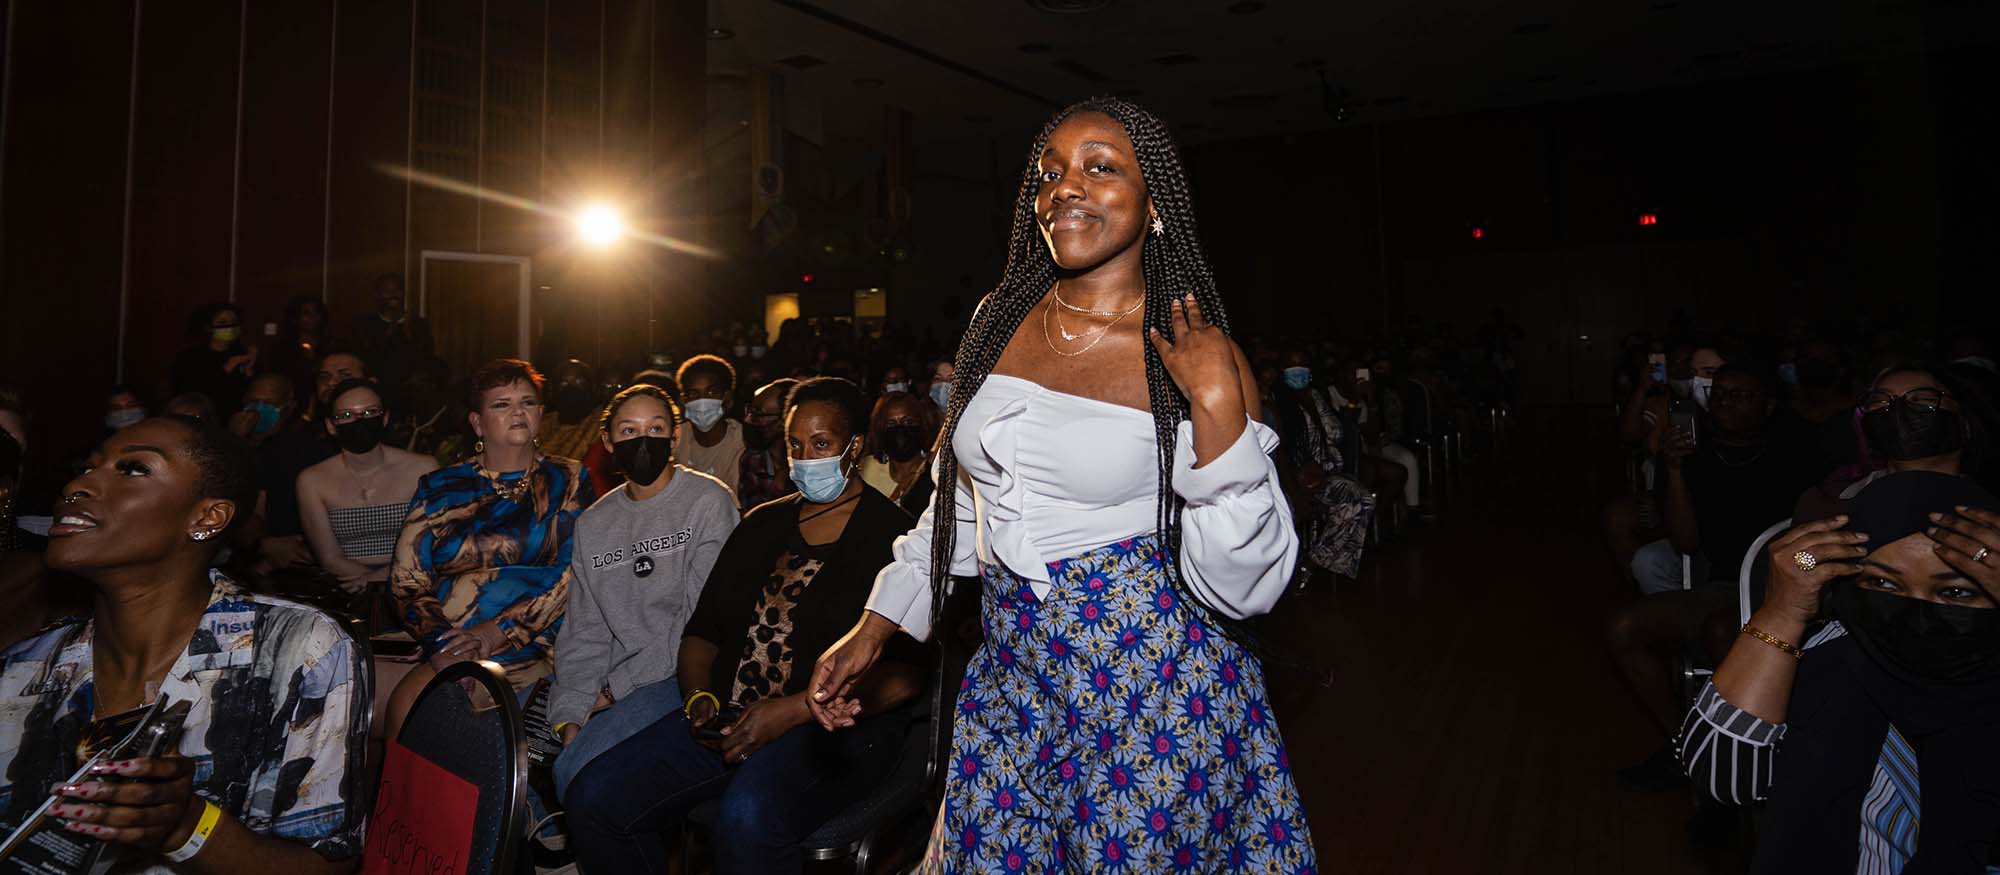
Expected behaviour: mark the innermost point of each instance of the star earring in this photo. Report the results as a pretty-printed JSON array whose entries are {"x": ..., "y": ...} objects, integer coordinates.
[{"x": 1159, "y": 227}]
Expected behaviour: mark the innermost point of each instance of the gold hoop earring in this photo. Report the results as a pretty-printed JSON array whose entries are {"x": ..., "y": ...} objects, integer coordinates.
[{"x": 479, "y": 446}]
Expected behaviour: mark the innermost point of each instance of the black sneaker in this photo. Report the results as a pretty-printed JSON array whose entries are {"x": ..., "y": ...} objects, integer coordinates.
[{"x": 1658, "y": 773}]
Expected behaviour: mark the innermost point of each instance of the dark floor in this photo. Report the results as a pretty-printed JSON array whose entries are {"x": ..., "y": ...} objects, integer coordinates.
[{"x": 1463, "y": 716}]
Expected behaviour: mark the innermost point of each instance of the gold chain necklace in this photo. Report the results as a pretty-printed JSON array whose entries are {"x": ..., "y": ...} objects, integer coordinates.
[
  {"x": 1101, "y": 334},
  {"x": 1057, "y": 291}
]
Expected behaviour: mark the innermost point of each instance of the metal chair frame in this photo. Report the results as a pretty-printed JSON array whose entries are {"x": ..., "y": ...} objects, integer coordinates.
[{"x": 513, "y": 825}]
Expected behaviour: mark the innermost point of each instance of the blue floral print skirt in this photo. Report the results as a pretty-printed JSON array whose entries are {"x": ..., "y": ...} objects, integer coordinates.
[{"x": 1107, "y": 728}]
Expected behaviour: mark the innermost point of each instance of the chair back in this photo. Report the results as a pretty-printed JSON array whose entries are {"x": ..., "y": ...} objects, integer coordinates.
[
  {"x": 483, "y": 743},
  {"x": 1416, "y": 410},
  {"x": 1756, "y": 569}
]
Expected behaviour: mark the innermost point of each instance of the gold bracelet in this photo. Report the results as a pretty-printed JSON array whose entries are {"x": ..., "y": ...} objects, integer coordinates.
[
  {"x": 1773, "y": 640},
  {"x": 687, "y": 709}
]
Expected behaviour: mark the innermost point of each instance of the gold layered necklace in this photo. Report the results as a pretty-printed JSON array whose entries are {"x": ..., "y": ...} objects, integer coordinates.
[{"x": 1095, "y": 337}]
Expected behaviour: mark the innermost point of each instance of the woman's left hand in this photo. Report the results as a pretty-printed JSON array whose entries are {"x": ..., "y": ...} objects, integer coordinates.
[
  {"x": 1200, "y": 359},
  {"x": 153, "y": 806},
  {"x": 762, "y": 723},
  {"x": 1970, "y": 542}
]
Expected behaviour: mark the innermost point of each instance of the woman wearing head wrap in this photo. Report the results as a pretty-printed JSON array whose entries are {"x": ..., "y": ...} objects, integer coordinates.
[{"x": 1884, "y": 719}]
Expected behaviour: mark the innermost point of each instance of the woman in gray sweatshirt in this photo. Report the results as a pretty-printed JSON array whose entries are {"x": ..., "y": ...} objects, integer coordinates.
[{"x": 638, "y": 562}]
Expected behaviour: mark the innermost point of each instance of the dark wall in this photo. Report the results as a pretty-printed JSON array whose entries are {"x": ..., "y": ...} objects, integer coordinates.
[{"x": 546, "y": 100}]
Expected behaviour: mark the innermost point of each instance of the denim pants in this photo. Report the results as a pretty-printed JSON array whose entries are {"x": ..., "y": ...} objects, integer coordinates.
[
  {"x": 626, "y": 805},
  {"x": 604, "y": 730}
]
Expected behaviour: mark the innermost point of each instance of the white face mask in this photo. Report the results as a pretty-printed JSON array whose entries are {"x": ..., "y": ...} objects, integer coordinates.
[
  {"x": 124, "y": 418},
  {"x": 704, "y": 413},
  {"x": 903, "y": 386},
  {"x": 1700, "y": 388}
]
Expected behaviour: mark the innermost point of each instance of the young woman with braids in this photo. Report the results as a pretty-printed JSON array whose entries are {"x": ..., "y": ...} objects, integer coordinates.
[{"x": 1114, "y": 492}]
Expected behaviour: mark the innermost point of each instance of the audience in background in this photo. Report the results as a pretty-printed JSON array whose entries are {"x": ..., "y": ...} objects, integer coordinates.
[
  {"x": 1333, "y": 508},
  {"x": 217, "y": 364},
  {"x": 642, "y": 554},
  {"x": 1723, "y": 488},
  {"x": 1910, "y": 422},
  {"x": 896, "y": 456},
  {"x": 765, "y": 475},
  {"x": 192, "y": 405},
  {"x": 578, "y": 412},
  {"x": 500, "y": 526},
  {"x": 272, "y": 758},
  {"x": 352, "y": 506},
  {"x": 284, "y": 446},
  {"x": 122, "y": 408},
  {"x": 788, "y": 583},
  {"x": 301, "y": 341},
  {"x": 708, "y": 441},
  {"x": 1887, "y": 713}
]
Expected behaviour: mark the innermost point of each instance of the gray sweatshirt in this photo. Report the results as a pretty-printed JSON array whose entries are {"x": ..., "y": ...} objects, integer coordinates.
[{"x": 637, "y": 569}]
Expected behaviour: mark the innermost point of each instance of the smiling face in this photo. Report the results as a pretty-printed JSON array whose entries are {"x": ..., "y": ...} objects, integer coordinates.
[
  {"x": 1910, "y": 568},
  {"x": 1091, "y": 204},
  {"x": 509, "y": 416},
  {"x": 137, "y": 502}
]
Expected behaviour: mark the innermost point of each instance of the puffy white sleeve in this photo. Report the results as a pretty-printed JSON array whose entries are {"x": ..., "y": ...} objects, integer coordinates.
[
  {"x": 902, "y": 590},
  {"x": 1238, "y": 546}
]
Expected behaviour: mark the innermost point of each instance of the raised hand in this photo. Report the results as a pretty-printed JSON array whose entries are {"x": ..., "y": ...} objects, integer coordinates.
[
  {"x": 1794, "y": 588},
  {"x": 1968, "y": 541},
  {"x": 1200, "y": 358}
]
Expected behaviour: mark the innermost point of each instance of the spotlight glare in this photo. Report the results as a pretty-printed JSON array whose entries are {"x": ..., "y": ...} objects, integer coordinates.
[{"x": 599, "y": 226}]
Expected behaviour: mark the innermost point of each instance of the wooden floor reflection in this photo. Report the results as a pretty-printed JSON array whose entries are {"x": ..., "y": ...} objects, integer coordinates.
[{"x": 1453, "y": 710}]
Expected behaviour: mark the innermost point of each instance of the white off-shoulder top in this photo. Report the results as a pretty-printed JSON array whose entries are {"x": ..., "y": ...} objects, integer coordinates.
[{"x": 1046, "y": 476}]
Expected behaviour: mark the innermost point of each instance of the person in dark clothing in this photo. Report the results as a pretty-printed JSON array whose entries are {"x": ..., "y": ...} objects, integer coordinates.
[
  {"x": 218, "y": 365},
  {"x": 785, "y": 587},
  {"x": 1720, "y": 495},
  {"x": 390, "y": 339},
  {"x": 283, "y": 447},
  {"x": 301, "y": 341}
]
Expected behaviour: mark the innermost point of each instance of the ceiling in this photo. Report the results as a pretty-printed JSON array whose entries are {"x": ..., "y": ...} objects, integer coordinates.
[{"x": 1229, "y": 68}]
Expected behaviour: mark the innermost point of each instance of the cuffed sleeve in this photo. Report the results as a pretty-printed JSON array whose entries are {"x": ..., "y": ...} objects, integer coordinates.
[
  {"x": 902, "y": 590},
  {"x": 1727, "y": 751},
  {"x": 1238, "y": 546}
]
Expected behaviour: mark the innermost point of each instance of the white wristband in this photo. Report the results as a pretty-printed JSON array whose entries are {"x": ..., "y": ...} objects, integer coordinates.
[{"x": 210, "y": 815}]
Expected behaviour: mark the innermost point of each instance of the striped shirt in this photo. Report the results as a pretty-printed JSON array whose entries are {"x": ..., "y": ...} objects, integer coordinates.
[{"x": 1730, "y": 752}]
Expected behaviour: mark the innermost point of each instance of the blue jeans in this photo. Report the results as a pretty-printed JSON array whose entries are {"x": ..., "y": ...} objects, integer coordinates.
[
  {"x": 639, "y": 709},
  {"x": 625, "y": 806}
]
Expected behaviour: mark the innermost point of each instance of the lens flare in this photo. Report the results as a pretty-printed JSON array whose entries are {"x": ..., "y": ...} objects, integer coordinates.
[{"x": 599, "y": 226}]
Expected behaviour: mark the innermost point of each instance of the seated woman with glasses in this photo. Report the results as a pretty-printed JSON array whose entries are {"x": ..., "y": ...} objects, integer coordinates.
[
  {"x": 353, "y": 505},
  {"x": 1910, "y": 419}
]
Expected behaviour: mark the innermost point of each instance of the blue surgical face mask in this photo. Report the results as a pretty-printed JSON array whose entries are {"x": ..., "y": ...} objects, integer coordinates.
[
  {"x": 124, "y": 418},
  {"x": 704, "y": 413},
  {"x": 820, "y": 480},
  {"x": 1788, "y": 372},
  {"x": 267, "y": 416},
  {"x": 941, "y": 395},
  {"x": 1298, "y": 377}
]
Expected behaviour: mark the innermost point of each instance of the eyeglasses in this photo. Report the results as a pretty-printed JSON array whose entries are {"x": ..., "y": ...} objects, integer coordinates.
[
  {"x": 343, "y": 417},
  {"x": 1923, "y": 398}
]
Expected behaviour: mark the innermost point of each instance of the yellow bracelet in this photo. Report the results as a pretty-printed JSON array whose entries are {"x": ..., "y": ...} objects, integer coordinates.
[
  {"x": 559, "y": 728},
  {"x": 203, "y": 828},
  {"x": 687, "y": 710},
  {"x": 1773, "y": 640}
]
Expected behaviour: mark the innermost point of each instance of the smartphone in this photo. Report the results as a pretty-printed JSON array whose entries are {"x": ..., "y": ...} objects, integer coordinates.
[
  {"x": 1684, "y": 417},
  {"x": 1360, "y": 375},
  {"x": 723, "y": 719},
  {"x": 1657, "y": 365}
]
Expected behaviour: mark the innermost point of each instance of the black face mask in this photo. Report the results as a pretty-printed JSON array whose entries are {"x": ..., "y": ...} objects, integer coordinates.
[
  {"x": 1904, "y": 432},
  {"x": 1924, "y": 638},
  {"x": 758, "y": 437},
  {"x": 643, "y": 458},
  {"x": 902, "y": 442},
  {"x": 359, "y": 436}
]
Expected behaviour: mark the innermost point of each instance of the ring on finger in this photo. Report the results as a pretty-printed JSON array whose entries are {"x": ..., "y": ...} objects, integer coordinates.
[
  {"x": 1980, "y": 557},
  {"x": 1805, "y": 560}
]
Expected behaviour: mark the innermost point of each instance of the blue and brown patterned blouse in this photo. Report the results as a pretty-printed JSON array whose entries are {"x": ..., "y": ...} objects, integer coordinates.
[
  {"x": 278, "y": 732},
  {"x": 478, "y": 545}
]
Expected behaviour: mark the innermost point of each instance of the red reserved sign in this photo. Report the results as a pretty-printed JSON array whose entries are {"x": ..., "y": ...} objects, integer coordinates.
[{"x": 423, "y": 817}]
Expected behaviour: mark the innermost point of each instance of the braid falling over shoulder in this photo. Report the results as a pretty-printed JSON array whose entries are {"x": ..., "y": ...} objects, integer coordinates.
[{"x": 1173, "y": 265}]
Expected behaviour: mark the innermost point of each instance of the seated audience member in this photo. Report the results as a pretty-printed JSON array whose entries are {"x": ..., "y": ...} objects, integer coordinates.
[
  {"x": 707, "y": 441},
  {"x": 270, "y": 767},
  {"x": 338, "y": 366},
  {"x": 217, "y": 363},
  {"x": 284, "y": 446},
  {"x": 896, "y": 458},
  {"x": 943, "y": 372},
  {"x": 352, "y": 506},
  {"x": 746, "y": 735},
  {"x": 122, "y": 408},
  {"x": 1645, "y": 421},
  {"x": 1886, "y": 714},
  {"x": 574, "y": 428},
  {"x": 642, "y": 554},
  {"x": 301, "y": 341},
  {"x": 1335, "y": 508},
  {"x": 1720, "y": 495},
  {"x": 390, "y": 338},
  {"x": 481, "y": 570},
  {"x": 1821, "y": 405},
  {"x": 192, "y": 405},
  {"x": 1911, "y": 420},
  {"x": 895, "y": 378},
  {"x": 765, "y": 476},
  {"x": 1383, "y": 476}
]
